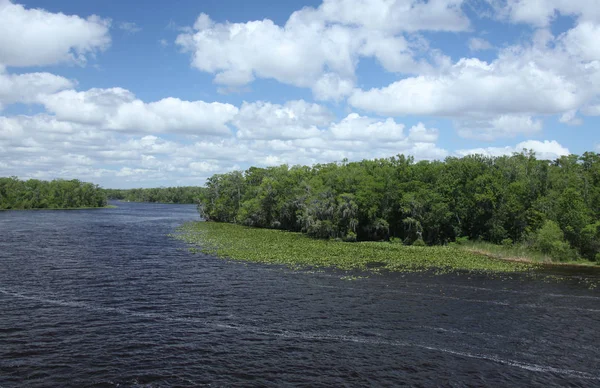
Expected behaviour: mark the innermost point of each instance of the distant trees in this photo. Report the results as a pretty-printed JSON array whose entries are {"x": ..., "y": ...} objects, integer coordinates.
[
  {"x": 60, "y": 194},
  {"x": 553, "y": 206},
  {"x": 188, "y": 194}
]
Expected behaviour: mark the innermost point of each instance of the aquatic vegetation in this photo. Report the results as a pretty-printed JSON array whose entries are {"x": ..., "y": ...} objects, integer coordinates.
[
  {"x": 521, "y": 253},
  {"x": 299, "y": 251}
]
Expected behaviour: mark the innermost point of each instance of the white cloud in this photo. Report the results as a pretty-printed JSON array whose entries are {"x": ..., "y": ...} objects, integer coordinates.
[
  {"x": 174, "y": 115},
  {"x": 110, "y": 135},
  {"x": 479, "y": 44},
  {"x": 331, "y": 86},
  {"x": 570, "y": 118},
  {"x": 319, "y": 48},
  {"x": 38, "y": 124},
  {"x": 541, "y": 13},
  {"x": 499, "y": 126},
  {"x": 472, "y": 86},
  {"x": 295, "y": 54},
  {"x": 94, "y": 106},
  {"x": 29, "y": 87},
  {"x": 46, "y": 146},
  {"x": 543, "y": 149},
  {"x": 118, "y": 109},
  {"x": 129, "y": 27},
  {"x": 505, "y": 97},
  {"x": 294, "y": 120},
  {"x": 35, "y": 37},
  {"x": 398, "y": 15},
  {"x": 355, "y": 127},
  {"x": 581, "y": 42},
  {"x": 420, "y": 134}
]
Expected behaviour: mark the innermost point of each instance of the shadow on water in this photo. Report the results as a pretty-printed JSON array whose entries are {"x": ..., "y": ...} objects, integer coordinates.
[{"x": 106, "y": 298}]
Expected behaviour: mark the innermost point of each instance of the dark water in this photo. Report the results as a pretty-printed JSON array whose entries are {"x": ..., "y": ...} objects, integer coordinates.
[{"x": 106, "y": 298}]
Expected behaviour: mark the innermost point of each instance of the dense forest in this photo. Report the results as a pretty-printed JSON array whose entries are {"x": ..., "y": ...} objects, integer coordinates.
[
  {"x": 57, "y": 194},
  {"x": 551, "y": 206},
  {"x": 186, "y": 194}
]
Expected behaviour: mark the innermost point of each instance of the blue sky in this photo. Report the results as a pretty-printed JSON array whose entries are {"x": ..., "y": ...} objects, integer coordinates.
[{"x": 163, "y": 94}]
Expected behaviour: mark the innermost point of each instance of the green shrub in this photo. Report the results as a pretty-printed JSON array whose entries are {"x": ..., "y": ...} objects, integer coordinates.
[
  {"x": 419, "y": 243},
  {"x": 550, "y": 240},
  {"x": 590, "y": 241},
  {"x": 507, "y": 242},
  {"x": 462, "y": 240},
  {"x": 395, "y": 240},
  {"x": 350, "y": 237}
]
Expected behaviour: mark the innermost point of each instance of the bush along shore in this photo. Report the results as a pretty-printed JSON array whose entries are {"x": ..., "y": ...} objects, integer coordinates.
[
  {"x": 299, "y": 251},
  {"x": 60, "y": 194},
  {"x": 545, "y": 210},
  {"x": 179, "y": 195}
]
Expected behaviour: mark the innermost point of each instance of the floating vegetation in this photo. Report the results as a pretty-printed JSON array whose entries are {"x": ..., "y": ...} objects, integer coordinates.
[{"x": 299, "y": 251}]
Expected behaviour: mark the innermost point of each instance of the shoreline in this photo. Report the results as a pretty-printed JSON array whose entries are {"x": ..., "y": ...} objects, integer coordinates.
[
  {"x": 295, "y": 250},
  {"x": 64, "y": 208},
  {"x": 526, "y": 260},
  {"x": 270, "y": 246},
  {"x": 159, "y": 203}
]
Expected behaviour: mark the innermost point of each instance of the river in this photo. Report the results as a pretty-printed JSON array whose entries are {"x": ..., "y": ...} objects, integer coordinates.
[{"x": 105, "y": 297}]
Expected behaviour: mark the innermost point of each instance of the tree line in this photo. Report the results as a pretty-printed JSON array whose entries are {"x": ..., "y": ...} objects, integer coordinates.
[
  {"x": 551, "y": 206},
  {"x": 182, "y": 195},
  {"x": 56, "y": 194}
]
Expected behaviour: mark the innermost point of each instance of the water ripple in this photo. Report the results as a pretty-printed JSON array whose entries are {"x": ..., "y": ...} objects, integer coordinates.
[{"x": 106, "y": 298}]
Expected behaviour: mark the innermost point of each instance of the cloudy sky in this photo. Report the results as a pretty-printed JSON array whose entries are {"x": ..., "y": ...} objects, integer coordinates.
[{"x": 169, "y": 93}]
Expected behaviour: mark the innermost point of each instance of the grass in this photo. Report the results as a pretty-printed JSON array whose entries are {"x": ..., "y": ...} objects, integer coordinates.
[
  {"x": 298, "y": 251},
  {"x": 517, "y": 253}
]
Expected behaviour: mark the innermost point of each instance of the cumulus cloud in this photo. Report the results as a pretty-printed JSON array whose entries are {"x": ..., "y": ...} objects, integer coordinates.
[
  {"x": 473, "y": 86},
  {"x": 295, "y": 54},
  {"x": 110, "y": 135},
  {"x": 319, "y": 48},
  {"x": 498, "y": 126},
  {"x": 30, "y": 87},
  {"x": 46, "y": 38},
  {"x": 355, "y": 127},
  {"x": 543, "y": 149},
  {"x": 293, "y": 120},
  {"x": 541, "y": 13},
  {"x": 62, "y": 145},
  {"x": 174, "y": 115},
  {"x": 117, "y": 109},
  {"x": 551, "y": 75},
  {"x": 398, "y": 15}
]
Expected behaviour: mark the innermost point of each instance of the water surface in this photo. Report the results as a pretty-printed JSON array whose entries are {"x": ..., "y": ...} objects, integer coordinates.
[{"x": 105, "y": 298}]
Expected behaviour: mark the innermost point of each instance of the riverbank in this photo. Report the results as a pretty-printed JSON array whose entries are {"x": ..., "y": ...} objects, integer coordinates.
[
  {"x": 297, "y": 250},
  {"x": 520, "y": 254},
  {"x": 66, "y": 208}
]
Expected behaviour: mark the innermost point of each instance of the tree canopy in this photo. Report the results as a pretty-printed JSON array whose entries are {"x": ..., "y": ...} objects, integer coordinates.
[
  {"x": 56, "y": 194},
  {"x": 503, "y": 199},
  {"x": 183, "y": 195}
]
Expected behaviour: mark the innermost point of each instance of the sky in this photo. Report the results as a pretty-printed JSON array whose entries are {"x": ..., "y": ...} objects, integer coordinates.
[{"x": 145, "y": 94}]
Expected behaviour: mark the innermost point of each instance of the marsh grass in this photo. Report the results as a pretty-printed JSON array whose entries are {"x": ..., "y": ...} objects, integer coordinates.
[{"x": 298, "y": 251}]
